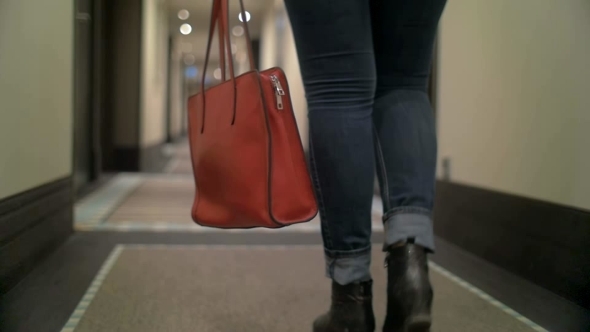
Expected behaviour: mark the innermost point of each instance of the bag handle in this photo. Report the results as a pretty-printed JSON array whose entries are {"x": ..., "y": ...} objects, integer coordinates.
[
  {"x": 220, "y": 14},
  {"x": 247, "y": 32},
  {"x": 214, "y": 19},
  {"x": 219, "y": 8}
]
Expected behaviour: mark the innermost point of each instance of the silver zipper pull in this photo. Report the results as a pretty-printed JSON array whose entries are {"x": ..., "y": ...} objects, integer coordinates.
[
  {"x": 279, "y": 102},
  {"x": 279, "y": 92},
  {"x": 277, "y": 85}
]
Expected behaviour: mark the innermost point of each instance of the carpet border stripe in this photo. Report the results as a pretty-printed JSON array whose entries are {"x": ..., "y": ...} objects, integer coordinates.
[
  {"x": 486, "y": 297},
  {"x": 93, "y": 289}
]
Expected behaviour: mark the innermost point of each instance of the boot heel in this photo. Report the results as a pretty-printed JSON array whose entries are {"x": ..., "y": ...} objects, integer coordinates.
[
  {"x": 419, "y": 323},
  {"x": 409, "y": 292},
  {"x": 351, "y": 310}
]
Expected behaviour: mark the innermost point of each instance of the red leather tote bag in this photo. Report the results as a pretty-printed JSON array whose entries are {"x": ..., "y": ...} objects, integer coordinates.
[{"x": 248, "y": 162}]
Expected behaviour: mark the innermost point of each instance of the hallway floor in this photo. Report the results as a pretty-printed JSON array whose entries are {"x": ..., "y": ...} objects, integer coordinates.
[{"x": 138, "y": 263}]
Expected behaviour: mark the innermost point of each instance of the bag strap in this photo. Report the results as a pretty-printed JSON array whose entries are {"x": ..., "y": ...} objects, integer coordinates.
[
  {"x": 247, "y": 32},
  {"x": 214, "y": 18},
  {"x": 221, "y": 42},
  {"x": 220, "y": 14}
]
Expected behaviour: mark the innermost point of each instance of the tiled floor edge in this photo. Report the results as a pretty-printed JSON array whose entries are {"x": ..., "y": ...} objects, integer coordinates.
[{"x": 99, "y": 205}]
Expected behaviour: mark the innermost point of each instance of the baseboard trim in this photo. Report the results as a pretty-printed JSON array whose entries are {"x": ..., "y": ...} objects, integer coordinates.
[
  {"x": 32, "y": 224},
  {"x": 151, "y": 158},
  {"x": 545, "y": 243}
]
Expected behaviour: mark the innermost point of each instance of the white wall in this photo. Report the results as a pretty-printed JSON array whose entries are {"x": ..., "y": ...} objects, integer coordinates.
[
  {"x": 154, "y": 71},
  {"x": 513, "y": 105},
  {"x": 36, "y": 61},
  {"x": 177, "y": 101},
  {"x": 270, "y": 44}
]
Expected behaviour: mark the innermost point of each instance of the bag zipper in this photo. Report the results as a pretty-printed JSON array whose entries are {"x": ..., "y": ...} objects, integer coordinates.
[{"x": 279, "y": 92}]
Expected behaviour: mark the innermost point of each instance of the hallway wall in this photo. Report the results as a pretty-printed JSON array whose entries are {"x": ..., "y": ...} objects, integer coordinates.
[
  {"x": 277, "y": 48},
  {"x": 513, "y": 106},
  {"x": 36, "y": 133},
  {"x": 513, "y": 118},
  {"x": 154, "y": 72},
  {"x": 36, "y": 57},
  {"x": 177, "y": 102}
]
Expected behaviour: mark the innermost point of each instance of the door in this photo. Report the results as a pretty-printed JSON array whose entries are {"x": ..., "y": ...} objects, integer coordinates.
[{"x": 83, "y": 116}]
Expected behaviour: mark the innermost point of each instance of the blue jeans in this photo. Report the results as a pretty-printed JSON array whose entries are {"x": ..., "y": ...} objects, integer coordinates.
[{"x": 365, "y": 66}]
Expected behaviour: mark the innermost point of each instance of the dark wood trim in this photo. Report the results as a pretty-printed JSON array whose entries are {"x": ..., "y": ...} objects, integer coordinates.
[
  {"x": 545, "y": 243},
  {"x": 126, "y": 159},
  {"x": 90, "y": 188},
  {"x": 33, "y": 223},
  {"x": 146, "y": 159},
  {"x": 107, "y": 121},
  {"x": 83, "y": 93},
  {"x": 256, "y": 52},
  {"x": 99, "y": 84},
  {"x": 31, "y": 212},
  {"x": 122, "y": 49}
]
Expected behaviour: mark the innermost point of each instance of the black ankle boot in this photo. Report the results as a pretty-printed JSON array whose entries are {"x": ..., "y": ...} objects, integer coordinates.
[
  {"x": 351, "y": 310},
  {"x": 409, "y": 293}
]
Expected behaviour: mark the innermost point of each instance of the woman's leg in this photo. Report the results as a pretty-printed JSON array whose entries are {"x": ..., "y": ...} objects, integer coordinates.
[
  {"x": 335, "y": 50},
  {"x": 405, "y": 145},
  {"x": 404, "y": 33}
]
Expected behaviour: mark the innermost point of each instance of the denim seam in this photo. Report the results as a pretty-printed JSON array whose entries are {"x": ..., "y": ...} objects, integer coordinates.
[
  {"x": 335, "y": 254},
  {"x": 316, "y": 181},
  {"x": 406, "y": 210},
  {"x": 382, "y": 170}
]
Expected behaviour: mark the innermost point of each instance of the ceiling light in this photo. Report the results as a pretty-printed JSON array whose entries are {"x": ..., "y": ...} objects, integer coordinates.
[
  {"x": 191, "y": 72},
  {"x": 247, "y": 17},
  {"x": 217, "y": 73},
  {"x": 183, "y": 14},
  {"x": 238, "y": 31},
  {"x": 185, "y": 29}
]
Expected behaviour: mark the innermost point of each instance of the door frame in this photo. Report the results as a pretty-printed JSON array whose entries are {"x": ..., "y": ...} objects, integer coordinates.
[
  {"x": 98, "y": 86},
  {"x": 82, "y": 112},
  {"x": 95, "y": 79}
]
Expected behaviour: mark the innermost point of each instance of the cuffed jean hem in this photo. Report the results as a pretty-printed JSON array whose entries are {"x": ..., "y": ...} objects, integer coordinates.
[
  {"x": 346, "y": 267},
  {"x": 409, "y": 222}
]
